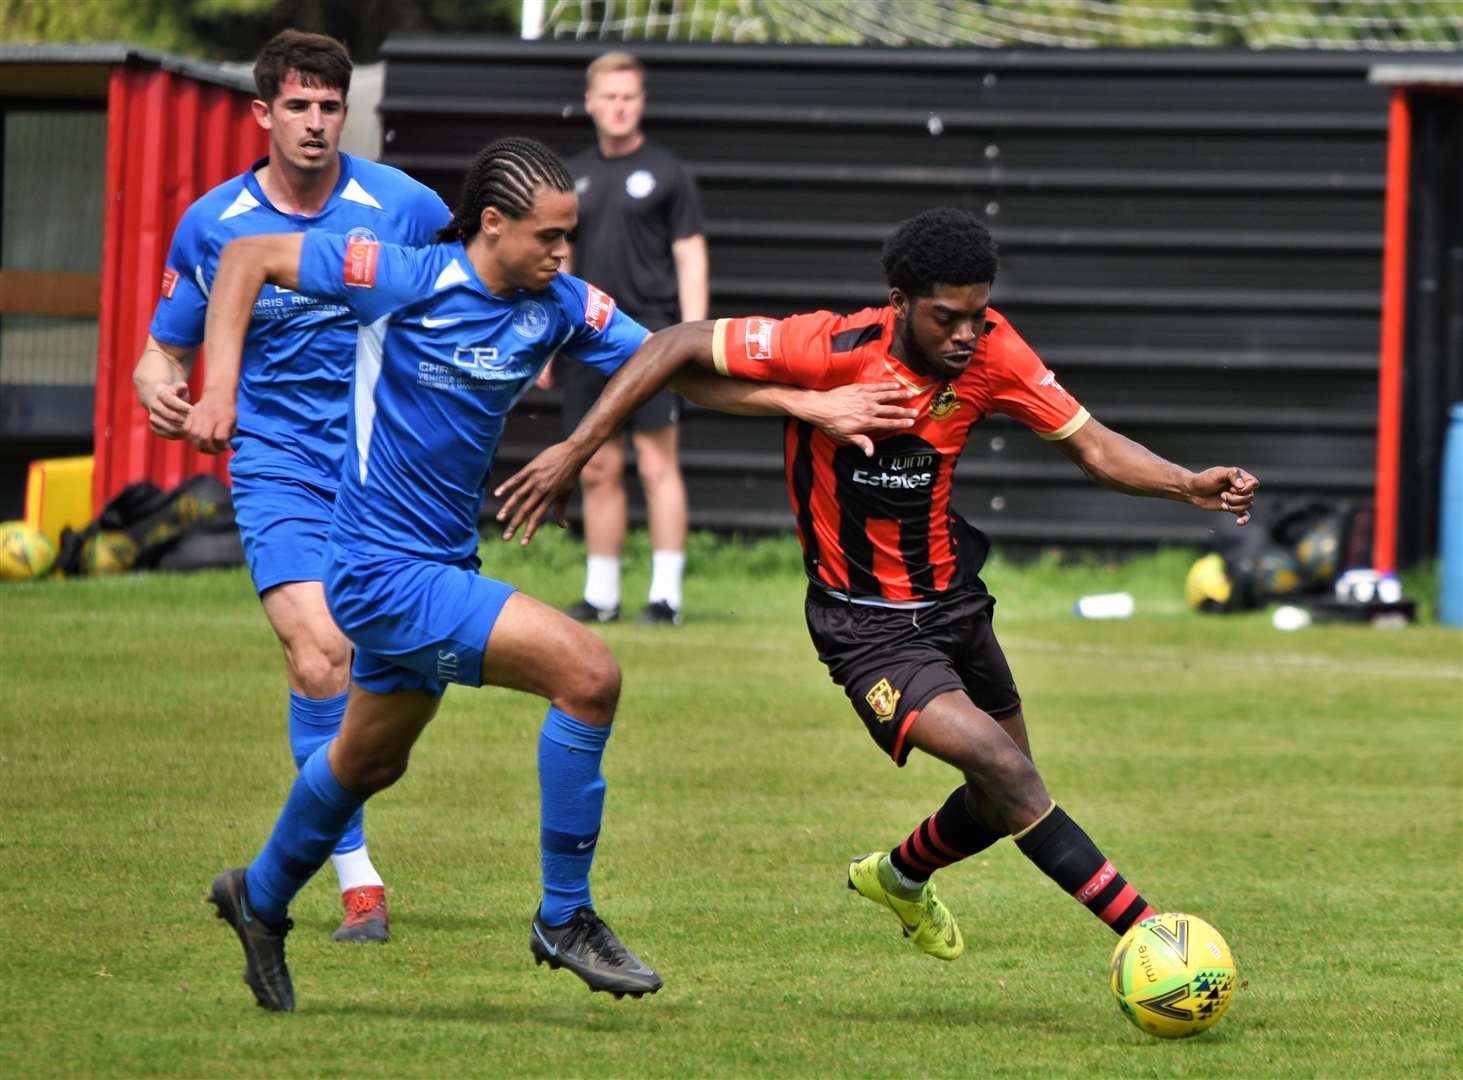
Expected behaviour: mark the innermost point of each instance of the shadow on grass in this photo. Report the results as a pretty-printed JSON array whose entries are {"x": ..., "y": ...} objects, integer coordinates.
[
  {"x": 404, "y": 926},
  {"x": 624, "y": 1016},
  {"x": 1006, "y": 1015}
]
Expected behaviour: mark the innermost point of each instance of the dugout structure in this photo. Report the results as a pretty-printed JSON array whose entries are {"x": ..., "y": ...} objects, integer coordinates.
[
  {"x": 1422, "y": 312},
  {"x": 104, "y": 147},
  {"x": 1191, "y": 238}
]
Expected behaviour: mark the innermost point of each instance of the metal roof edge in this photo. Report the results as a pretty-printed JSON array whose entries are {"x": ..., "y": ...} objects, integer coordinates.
[
  {"x": 1419, "y": 75},
  {"x": 116, "y": 52}
]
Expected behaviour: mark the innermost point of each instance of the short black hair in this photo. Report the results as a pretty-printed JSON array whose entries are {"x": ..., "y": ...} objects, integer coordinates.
[
  {"x": 321, "y": 61},
  {"x": 943, "y": 246},
  {"x": 505, "y": 174}
]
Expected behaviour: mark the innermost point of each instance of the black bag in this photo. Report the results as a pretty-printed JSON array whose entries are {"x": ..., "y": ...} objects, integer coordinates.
[
  {"x": 188, "y": 528},
  {"x": 1301, "y": 549}
]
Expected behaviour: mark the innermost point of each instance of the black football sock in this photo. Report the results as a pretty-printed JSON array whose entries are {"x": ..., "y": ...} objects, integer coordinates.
[
  {"x": 948, "y": 835},
  {"x": 1064, "y": 853}
]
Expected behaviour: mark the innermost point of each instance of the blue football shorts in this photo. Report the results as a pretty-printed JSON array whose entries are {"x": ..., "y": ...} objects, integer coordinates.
[
  {"x": 415, "y": 624},
  {"x": 284, "y": 525}
]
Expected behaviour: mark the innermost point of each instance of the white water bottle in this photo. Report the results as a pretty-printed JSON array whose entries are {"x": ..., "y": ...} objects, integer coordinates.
[{"x": 1112, "y": 605}]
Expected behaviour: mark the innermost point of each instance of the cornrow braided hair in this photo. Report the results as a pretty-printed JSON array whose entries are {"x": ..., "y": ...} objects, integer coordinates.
[{"x": 505, "y": 174}]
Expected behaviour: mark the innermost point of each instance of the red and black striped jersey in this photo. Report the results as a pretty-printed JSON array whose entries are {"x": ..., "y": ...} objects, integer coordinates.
[{"x": 882, "y": 528}]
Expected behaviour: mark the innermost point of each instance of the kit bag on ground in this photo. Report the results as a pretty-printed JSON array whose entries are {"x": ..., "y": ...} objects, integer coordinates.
[
  {"x": 1299, "y": 550},
  {"x": 189, "y": 528}
]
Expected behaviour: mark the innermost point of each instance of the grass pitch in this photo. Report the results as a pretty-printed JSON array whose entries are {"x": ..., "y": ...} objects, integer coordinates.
[{"x": 1302, "y": 792}]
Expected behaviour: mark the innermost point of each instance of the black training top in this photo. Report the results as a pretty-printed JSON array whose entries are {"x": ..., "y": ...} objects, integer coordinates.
[{"x": 630, "y": 210}]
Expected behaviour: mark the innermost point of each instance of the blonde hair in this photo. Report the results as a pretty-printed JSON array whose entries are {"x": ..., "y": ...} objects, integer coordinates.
[{"x": 613, "y": 61}]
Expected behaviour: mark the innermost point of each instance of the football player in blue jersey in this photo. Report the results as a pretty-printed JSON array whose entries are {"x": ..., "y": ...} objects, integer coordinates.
[
  {"x": 298, "y": 357},
  {"x": 451, "y": 336}
]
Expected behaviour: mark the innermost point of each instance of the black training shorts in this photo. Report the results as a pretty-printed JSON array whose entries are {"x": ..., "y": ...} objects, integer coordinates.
[
  {"x": 582, "y": 385},
  {"x": 892, "y": 662}
]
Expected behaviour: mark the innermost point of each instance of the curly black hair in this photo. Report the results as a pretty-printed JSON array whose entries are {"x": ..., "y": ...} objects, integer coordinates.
[
  {"x": 943, "y": 246},
  {"x": 505, "y": 174}
]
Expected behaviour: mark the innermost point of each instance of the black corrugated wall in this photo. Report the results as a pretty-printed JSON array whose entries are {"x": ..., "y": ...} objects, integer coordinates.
[{"x": 1192, "y": 240}]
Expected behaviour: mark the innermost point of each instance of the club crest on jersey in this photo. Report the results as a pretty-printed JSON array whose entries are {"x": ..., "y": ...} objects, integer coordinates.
[
  {"x": 530, "y": 320},
  {"x": 362, "y": 233},
  {"x": 639, "y": 184},
  {"x": 759, "y": 339},
  {"x": 360, "y": 262},
  {"x": 883, "y": 699},
  {"x": 945, "y": 403},
  {"x": 598, "y": 307},
  {"x": 170, "y": 282}
]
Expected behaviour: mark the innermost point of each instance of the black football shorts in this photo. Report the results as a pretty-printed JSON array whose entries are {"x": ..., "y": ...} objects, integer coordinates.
[
  {"x": 892, "y": 662},
  {"x": 582, "y": 385}
]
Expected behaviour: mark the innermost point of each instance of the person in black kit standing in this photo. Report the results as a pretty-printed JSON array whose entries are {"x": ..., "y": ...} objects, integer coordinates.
[{"x": 640, "y": 240}]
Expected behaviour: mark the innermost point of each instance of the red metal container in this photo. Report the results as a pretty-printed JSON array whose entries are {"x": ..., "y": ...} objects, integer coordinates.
[{"x": 170, "y": 138}]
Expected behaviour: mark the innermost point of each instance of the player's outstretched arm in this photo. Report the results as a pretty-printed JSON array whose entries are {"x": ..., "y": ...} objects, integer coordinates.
[
  {"x": 856, "y": 413},
  {"x": 161, "y": 381},
  {"x": 244, "y": 267},
  {"x": 544, "y": 484},
  {"x": 1117, "y": 462}
]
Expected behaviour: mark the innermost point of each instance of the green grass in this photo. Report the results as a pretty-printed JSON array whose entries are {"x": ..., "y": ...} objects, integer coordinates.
[{"x": 1303, "y": 792}]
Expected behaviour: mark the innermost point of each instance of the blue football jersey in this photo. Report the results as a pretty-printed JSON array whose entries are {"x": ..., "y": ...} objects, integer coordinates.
[
  {"x": 440, "y": 361},
  {"x": 300, "y": 349}
]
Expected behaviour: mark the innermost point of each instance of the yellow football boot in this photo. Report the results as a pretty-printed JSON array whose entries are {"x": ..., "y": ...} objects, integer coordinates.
[{"x": 926, "y": 922}]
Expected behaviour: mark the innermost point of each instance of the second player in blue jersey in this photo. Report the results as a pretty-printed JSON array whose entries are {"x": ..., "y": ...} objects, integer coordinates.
[{"x": 298, "y": 356}]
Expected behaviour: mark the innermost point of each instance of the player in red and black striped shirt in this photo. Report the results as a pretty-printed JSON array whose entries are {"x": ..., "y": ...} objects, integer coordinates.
[
  {"x": 883, "y": 530},
  {"x": 895, "y": 605}
]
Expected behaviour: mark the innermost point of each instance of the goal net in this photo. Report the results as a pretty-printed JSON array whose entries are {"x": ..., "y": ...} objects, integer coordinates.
[{"x": 1372, "y": 25}]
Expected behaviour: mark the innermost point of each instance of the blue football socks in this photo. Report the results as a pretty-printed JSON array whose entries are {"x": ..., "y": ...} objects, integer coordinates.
[
  {"x": 571, "y": 799},
  {"x": 313, "y": 723},
  {"x": 314, "y": 817}
]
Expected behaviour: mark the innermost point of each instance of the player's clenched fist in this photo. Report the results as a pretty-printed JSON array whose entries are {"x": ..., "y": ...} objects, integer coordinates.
[
  {"x": 167, "y": 408},
  {"x": 1225, "y": 488},
  {"x": 210, "y": 425}
]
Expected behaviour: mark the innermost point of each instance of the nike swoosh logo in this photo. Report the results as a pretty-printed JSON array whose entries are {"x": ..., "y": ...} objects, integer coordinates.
[
  {"x": 433, "y": 324},
  {"x": 950, "y": 937},
  {"x": 244, "y": 910},
  {"x": 553, "y": 950},
  {"x": 909, "y": 928},
  {"x": 585, "y": 844}
]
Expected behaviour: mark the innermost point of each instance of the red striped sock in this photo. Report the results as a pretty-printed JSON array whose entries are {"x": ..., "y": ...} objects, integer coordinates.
[
  {"x": 1062, "y": 851},
  {"x": 948, "y": 835}
]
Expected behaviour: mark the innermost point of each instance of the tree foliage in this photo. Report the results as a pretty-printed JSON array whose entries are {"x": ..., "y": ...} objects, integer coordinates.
[{"x": 235, "y": 29}]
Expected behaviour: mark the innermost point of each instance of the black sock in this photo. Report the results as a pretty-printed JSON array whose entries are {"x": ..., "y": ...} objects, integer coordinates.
[
  {"x": 1064, "y": 853},
  {"x": 948, "y": 835}
]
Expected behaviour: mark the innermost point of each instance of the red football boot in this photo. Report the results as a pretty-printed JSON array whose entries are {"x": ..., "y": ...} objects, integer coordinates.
[{"x": 365, "y": 915}]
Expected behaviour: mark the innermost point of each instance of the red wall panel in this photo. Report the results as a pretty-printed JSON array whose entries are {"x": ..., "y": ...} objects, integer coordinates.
[{"x": 169, "y": 139}]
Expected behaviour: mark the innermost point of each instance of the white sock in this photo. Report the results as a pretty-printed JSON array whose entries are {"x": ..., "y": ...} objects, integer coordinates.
[
  {"x": 355, "y": 869},
  {"x": 665, "y": 577},
  {"x": 602, "y": 581},
  {"x": 912, "y": 886}
]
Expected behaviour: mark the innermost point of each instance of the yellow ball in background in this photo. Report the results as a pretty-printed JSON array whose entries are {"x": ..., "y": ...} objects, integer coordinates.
[
  {"x": 25, "y": 553},
  {"x": 1207, "y": 586},
  {"x": 108, "y": 552},
  {"x": 1173, "y": 975}
]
